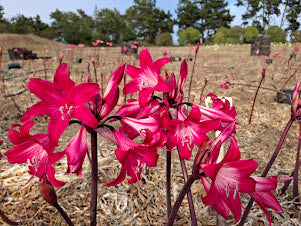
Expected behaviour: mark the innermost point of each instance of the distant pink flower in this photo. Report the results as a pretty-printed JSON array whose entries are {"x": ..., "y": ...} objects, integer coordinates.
[
  {"x": 80, "y": 45},
  {"x": 276, "y": 54},
  {"x": 136, "y": 43},
  {"x": 257, "y": 52},
  {"x": 164, "y": 52},
  {"x": 99, "y": 41},
  {"x": 124, "y": 48},
  {"x": 146, "y": 79},
  {"x": 61, "y": 101},
  {"x": 95, "y": 43},
  {"x": 225, "y": 84},
  {"x": 133, "y": 46},
  {"x": 16, "y": 50},
  {"x": 297, "y": 48},
  {"x": 36, "y": 149},
  {"x": 189, "y": 44}
]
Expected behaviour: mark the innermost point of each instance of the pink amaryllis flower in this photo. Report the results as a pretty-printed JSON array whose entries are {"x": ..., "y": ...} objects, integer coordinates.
[
  {"x": 133, "y": 156},
  {"x": 225, "y": 84},
  {"x": 61, "y": 100},
  {"x": 185, "y": 132},
  {"x": 176, "y": 94},
  {"x": 263, "y": 195},
  {"x": 164, "y": 52},
  {"x": 146, "y": 79},
  {"x": 228, "y": 179},
  {"x": 37, "y": 149},
  {"x": 297, "y": 48},
  {"x": 276, "y": 54}
]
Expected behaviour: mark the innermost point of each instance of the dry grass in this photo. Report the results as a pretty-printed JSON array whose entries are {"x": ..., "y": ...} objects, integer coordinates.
[{"x": 128, "y": 204}]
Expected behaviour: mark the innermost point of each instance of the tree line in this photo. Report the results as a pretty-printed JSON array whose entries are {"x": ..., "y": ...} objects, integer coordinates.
[{"x": 205, "y": 21}]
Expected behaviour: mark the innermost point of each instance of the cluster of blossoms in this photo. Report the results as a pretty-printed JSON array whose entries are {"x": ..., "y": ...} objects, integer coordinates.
[{"x": 157, "y": 122}]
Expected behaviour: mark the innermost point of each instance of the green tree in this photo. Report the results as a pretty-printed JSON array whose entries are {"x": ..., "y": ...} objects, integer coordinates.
[
  {"x": 38, "y": 25},
  {"x": 189, "y": 35},
  {"x": 20, "y": 24},
  {"x": 236, "y": 35},
  {"x": 221, "y": 35},
  {"x": 73, "y": 28},
  {"x": 293, "y": 10},
  {"x": 164, "y": 39},
  {"x": 276, "y": 33},
  {"x": 49, "y": 33},
  {"x": 148, "y": 21},
  {"x": 111, "y": 26},
  {"x": 250, "y": 32},
  {"x": 296, "y": 36},
  {"x": 214, "y": 14},
  {"x": 4, "y": 24},
  {"x": 188, "y": 14},
  {"x": 261, "y": 11}
]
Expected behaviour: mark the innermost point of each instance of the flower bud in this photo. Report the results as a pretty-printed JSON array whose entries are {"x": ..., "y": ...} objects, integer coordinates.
[
  {"x": 263, "y": 73},
  {"x": 197, "y": 47},
  {"x": 48, "y": 193}
]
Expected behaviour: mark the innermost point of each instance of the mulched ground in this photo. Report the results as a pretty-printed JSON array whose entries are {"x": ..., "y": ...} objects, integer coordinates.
[{"x": 127, "y": 204}]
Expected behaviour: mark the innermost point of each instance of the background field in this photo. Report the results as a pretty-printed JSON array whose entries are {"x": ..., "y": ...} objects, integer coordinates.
[{"x": 128, "y": 204}]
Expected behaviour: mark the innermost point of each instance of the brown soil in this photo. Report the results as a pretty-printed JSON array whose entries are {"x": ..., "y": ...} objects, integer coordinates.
[{"x": 128, "y": 204}]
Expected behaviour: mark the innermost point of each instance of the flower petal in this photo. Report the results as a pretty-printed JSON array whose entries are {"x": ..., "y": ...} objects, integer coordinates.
[
  {"x": 76, "y": 152},
  {"x": 62, "y": 79},
  {"x": 145, "y": 58},
  {"x": 158, "y": 64}
]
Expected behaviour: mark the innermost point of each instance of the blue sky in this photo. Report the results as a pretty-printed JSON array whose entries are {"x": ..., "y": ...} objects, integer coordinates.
[
  {"x": 45, "y": 7},
  {"x": 31, "y": 8}
]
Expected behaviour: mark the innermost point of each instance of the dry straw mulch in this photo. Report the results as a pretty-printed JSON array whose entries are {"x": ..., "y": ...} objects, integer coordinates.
[{"x": 128, "y": 204}]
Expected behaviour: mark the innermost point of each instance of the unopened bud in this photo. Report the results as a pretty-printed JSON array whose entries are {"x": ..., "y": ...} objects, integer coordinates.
[
  {"x": 263, "y": 73},
  {"x": 48, "y": 193},
  {"x": 197, "y": 47}
]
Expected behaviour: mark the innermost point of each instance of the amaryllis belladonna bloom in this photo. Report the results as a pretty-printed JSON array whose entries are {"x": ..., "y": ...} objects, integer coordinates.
[
  {"x": 263, "y": 195},
  {"x": 185, "y": 132},
  {"x": 146, "y": 79},
  {"x": 225, "y": 84},
  {"x": 37, "y": 149},
  {"x": 61, "y": 100},
  {"x": 133, "y": 157},
  {"x": 297, "y": 48}
]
